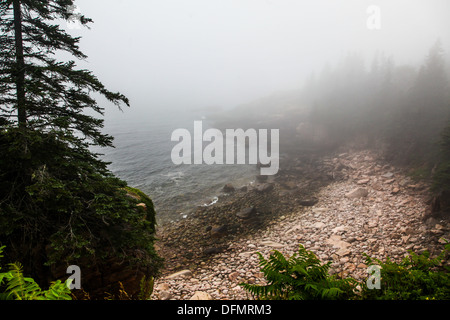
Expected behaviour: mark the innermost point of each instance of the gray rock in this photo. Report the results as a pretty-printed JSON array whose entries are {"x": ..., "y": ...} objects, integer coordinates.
[
  {"x": 363, "y": 181},
  {"x": 266, "y": 187},
  {"x": 165, "y": 295},
  {"x": 212, "y": 250},
  {"x": 246, "y": 213},
  {"x": 308, "y": 202},
  {"x": 388, "y": 175},
  {"x": 243, "y": 188},
  {"x": 319, "y": 225},
  {"x": 201, "y": 295},
  {"x": 228, "y": 188},
  {"x": 357, "y": 193},
  {"x": 182, "y": 273},
  {"x": 261, "y": 178},
  {"x": 219, "y": 232},
  {"x": 272, "y": 244}
]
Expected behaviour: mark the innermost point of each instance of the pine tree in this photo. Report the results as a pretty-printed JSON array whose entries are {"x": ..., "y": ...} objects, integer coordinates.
[
  {"x": 58, "y": 201},
  {"x": 47, "y": 93}
]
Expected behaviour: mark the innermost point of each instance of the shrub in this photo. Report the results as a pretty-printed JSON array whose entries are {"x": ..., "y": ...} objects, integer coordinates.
[
  {"x": 59, "y": 207},
  {"x": 416, "y": 277},
  {"x": 303, "y": 277}
]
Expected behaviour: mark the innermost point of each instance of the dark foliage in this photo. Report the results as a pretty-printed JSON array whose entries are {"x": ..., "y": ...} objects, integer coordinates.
[{"x": 58, "y": 201}]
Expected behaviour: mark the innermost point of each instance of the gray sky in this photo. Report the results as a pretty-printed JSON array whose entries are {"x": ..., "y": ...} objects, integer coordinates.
[{"x": 200, "y": 53}]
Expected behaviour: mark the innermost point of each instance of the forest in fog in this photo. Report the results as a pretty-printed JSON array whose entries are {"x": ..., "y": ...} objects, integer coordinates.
[
  {"x": 402, "y": 106},
  {"x": 396, "y": 108}
]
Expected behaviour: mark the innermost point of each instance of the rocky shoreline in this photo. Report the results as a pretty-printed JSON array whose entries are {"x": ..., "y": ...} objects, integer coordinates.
[{"x": 338, "y": 206}]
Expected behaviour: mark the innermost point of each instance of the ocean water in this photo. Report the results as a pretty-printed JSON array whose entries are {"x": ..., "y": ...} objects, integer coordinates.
[{"x": 142, "y": 157}]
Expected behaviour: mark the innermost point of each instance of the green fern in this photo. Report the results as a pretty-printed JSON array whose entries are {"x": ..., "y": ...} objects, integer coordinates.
[
  {"x": 146, "y": 285},
  {"x": 300, "y": 277},
  {"x": 19, "y": 287}
]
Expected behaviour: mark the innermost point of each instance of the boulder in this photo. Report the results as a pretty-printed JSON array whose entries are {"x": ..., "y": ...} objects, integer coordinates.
[
  {"x": 261, "y": 178},
  {"x": 357, "y": 193},
  {"x": 201, "y": 295},
  {"x": 233, "y": 276},
  {"x": 343, "y": 252},
  {"x": 182, "y": 273},
  {"x": 246, "y": 213},
  {"x": 307, "y": 202},
  {"x": 339, "y": 229},
  {"x": 272, "y": 244},
  {"x": 165, "y": 295},
  {"x": 363, "y": 181},
  {"x": 219, "y": 231},
  {"x": 290, "y": 185},
  {"x": 388, "y": 175},
  {"x": 212, "y": 250},
  {"x": 265, "y": 187},
  {"x": 319, "y": 210},
  {"x": 228, "y": 188},
  {"x": 318, "y": 225},
  {"x": 243, "y": 189},
  {"x": 337, "y": 242}
]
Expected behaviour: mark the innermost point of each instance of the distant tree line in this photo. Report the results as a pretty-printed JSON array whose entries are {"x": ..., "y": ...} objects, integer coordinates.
[{"x": 403, "y": 110}]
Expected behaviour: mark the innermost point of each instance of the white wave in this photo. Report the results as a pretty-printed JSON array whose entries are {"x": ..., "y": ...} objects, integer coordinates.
[{"x": 215, "y": 199}]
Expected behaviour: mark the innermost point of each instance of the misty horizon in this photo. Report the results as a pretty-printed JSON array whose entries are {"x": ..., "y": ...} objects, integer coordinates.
[{"x": 196, "y": 55}]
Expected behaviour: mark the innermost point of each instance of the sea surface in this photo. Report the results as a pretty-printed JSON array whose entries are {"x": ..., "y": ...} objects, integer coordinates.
[{"x": 142, "y": 157}]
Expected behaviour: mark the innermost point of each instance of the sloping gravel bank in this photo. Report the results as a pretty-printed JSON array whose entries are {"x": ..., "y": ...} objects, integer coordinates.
[{"x": 339, "y": 207}]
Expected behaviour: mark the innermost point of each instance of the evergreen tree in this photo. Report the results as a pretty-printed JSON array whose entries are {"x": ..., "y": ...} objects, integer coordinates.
[
  {"x": 422, "y": 115},
  {"x": 58, "y": 201},
  {"x": 37, "y": 90},
  {"x": 441, "y": 177}
]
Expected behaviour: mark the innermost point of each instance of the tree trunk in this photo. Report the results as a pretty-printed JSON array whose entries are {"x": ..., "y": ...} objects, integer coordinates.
[{"x": 20, "y": 66}]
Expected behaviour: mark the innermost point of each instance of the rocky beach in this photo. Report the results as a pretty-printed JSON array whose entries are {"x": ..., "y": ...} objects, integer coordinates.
[{"x": 338, "y": 206}]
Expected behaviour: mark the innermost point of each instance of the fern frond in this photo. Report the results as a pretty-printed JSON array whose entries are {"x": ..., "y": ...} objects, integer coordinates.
[
  {"x": 20, "y": 287},
  {"x": 146, "y": 286},
  {"x": 300, "y": 277},
  {"x": 57, "y": 291}
]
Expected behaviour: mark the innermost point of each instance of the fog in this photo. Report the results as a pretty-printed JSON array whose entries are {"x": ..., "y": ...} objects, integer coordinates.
[{"x": 165, "y": 54}]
